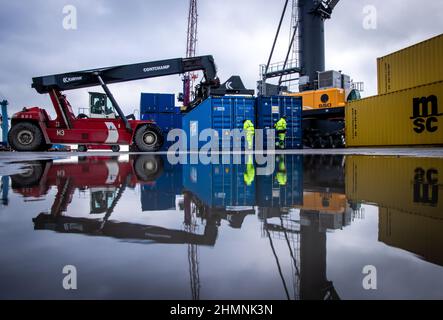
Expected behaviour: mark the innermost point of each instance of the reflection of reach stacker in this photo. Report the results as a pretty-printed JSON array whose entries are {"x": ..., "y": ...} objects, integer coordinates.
[
  {"x": 107, "y": 179},
  {"x": 33, "y": 129}
]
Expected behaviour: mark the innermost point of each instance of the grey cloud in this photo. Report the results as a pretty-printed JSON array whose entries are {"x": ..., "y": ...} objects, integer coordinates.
[{"x": 238, "y": 33}]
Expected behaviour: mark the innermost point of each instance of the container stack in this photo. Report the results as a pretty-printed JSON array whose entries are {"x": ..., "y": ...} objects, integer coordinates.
[
  {"x": 271, "y": 109},
  {"x": 221, "y": 114},
  {"x": 408, "y": 110},
  {"x": 161, "y": 109}
]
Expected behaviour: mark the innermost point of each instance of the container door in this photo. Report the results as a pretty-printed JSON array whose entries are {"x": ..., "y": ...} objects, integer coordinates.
[
  {"x": 222, "y": 120},
  {"x": 148, "y": 103}
]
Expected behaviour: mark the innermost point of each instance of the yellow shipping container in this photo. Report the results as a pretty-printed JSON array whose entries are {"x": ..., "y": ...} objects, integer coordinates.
[
  {"x": 411, "y": 67},
  {"x": 408, "y": 117},
  {"x": 420, "y": 235},
  {"x": 412, "y": 185}
]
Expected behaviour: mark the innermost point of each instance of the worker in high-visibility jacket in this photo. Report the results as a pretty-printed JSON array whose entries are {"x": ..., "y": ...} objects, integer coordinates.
[
  {"x": 249, "y": 129},
  {"x": 282, "y": 174},
  {"x": 281, "y": 127},
  {"x": 249, "y": 175}
]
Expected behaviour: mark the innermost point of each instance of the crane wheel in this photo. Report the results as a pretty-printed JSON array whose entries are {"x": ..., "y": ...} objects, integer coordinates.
[
  {"x": 82, "y": 148},
  {"x": 26, "y": 136},
  {"x": 30, "y": 176},
  {"x": 148, "y": 167},
  {"x": 82, "y": 116},
  {"x": 148, "y": 138}
]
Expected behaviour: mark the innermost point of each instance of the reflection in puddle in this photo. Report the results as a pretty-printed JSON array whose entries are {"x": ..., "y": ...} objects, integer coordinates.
[{"x": 227, "y": 230}]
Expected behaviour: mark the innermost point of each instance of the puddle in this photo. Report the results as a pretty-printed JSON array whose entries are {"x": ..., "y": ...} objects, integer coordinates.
[{"x": 292, "y": 227}]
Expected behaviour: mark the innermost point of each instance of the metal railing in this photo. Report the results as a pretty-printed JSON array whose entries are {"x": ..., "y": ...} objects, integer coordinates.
[{"x": 278, "y": 67}]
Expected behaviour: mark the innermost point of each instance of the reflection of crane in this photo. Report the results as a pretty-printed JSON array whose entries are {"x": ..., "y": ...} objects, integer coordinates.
[
  {"x": 195, "y": 209},
  {"x": 191, "y": 47},
  {"x": 190, "y": 224},
  {"x": 288, "y": 230},
  {"x": 314, "y": 284},
  {"x": 302, "y": 227}
]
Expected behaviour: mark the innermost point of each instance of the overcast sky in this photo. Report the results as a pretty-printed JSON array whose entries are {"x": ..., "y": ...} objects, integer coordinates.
[{"x": 238, "y": 33}]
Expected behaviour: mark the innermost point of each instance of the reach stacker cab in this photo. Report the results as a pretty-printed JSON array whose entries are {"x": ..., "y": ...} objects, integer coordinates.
[{"x": 33, "y": 130}]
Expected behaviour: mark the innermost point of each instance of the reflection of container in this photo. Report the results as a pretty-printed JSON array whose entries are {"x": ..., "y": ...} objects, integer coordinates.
[
  {"x": 413, "y": 185},
  {"x": 420, "y": 235},
  {"x": 220, "y": 114},
  {"x": 161, "y": 193},
  {"x": 408, "y": 117},
  {"x": 414, "y": 66},
  {"x": 219, "y": 185},
  {"x": 272, "y": 194},
  {"x": 271, "y": 109}
]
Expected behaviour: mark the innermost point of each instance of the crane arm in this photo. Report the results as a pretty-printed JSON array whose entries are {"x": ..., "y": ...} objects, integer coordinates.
[
  {"x": 332, "y": 3},
  {"x": 324, "y": 8},
  {"x": 130, "y": 72}
]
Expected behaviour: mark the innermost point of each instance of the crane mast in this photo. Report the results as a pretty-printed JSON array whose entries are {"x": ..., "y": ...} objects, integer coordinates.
[
  {"x": 191, "y": 46},
  {"x": 312, "y": 16}
]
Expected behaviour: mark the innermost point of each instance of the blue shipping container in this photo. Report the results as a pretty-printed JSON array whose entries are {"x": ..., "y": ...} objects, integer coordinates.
[
  {"x": 178, "y": 118},
  {"x": 272, "y": 193},
  {"x": 166, "y": 122},
  {"x": 219, "y": 185},
  {"x": 157, "y": 102},
  {"x": 272, "y": 109},
  {"x": 221, "y": 114}
]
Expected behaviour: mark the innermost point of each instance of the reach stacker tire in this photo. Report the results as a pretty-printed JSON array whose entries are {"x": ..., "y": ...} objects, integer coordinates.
[
  {"x": 148, "y": 167},
  {"x": 30, "y": 176},
  {"x": 148, "y": 138},
  {"x": 26, "y": 136}
]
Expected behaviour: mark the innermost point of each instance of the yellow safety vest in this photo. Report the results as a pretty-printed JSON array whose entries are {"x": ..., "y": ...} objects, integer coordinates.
[
  {"x": 282, "y": 178},
  {"x": 281, "y": 125},
  {"x": 249, "y": 174},
  {"x": 248, "y": 126}
]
